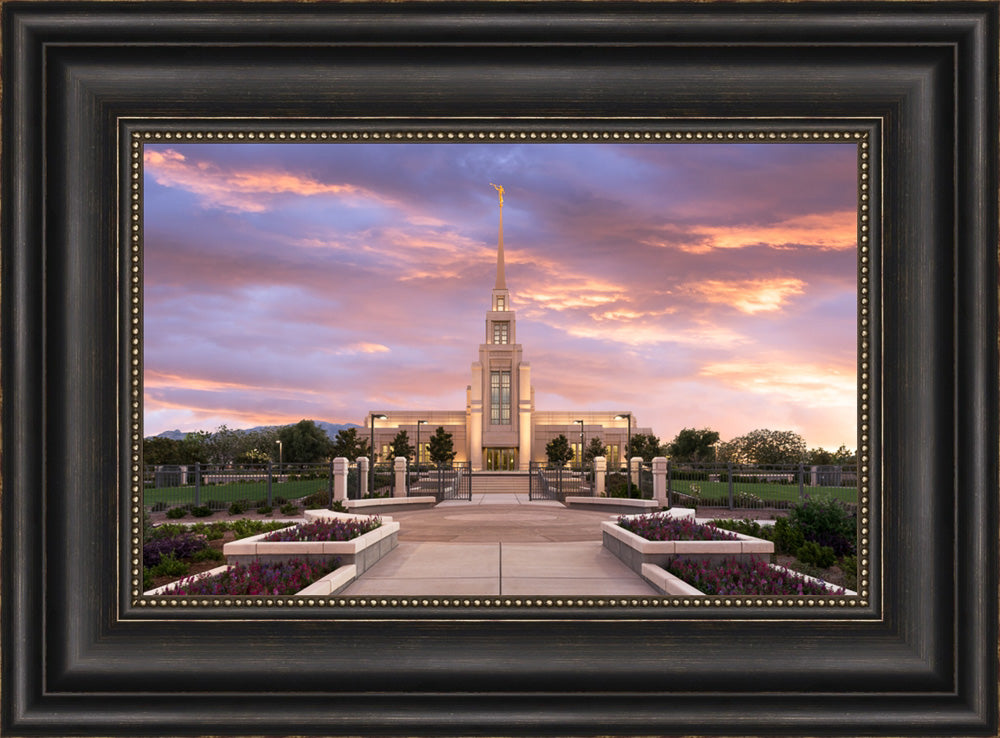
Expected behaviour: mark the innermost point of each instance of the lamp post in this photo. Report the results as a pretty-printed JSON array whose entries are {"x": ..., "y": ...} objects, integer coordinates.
[
  {"x": 419, "y": 423},
  {"x": 371, "y": 449},
  {"x": 581, "y": 444},
  {"x": 628, "y": 450},
  {"x": 280, "y": 447}
]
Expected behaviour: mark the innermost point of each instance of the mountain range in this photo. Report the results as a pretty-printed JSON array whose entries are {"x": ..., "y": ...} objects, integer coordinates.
[{"x": 330, "y": 429}]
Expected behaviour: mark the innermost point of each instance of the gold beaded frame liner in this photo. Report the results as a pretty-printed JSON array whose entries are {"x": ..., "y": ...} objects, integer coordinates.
[{"x": 134, "y": 134}]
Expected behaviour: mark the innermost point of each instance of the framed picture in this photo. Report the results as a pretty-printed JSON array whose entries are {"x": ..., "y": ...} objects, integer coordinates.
[{"x": 100, "y": 94}]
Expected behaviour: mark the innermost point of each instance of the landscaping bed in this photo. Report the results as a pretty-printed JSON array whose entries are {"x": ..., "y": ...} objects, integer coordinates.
[
  {"x": 256, "y": 578},
  {"x": 675, "y": 534},
  {"x": 175, "y": 550},
  {"x": 370, "y": 539}
]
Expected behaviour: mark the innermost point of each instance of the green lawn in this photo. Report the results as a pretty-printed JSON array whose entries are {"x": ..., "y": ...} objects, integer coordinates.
[
  {"x": 256, "y": 491},
  {"x": 764, "y": 490}
]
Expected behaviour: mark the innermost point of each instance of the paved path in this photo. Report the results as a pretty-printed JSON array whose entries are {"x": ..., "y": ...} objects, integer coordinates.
[{"x": 500, "y": 544}]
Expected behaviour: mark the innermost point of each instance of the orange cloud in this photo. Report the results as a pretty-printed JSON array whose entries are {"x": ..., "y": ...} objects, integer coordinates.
[
  {"x": 363, "y": 347},
  {"x": 804, "y": 384},
  {"x": 834, "y": 231},
  {"x": 241, "y": 190},
  {"x": 749, "y": 296}
]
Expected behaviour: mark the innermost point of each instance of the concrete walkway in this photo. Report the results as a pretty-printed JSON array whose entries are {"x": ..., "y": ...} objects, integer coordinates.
[{"x": 500, "y": 544}]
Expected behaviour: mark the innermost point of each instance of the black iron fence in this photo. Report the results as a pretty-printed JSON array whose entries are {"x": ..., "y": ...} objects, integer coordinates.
[
  {"x": 757, "y": 485},
  {"x": 445, "y": 482},
  {"x": 219, "y": 486},
  {"x": 556, "y": 483}
]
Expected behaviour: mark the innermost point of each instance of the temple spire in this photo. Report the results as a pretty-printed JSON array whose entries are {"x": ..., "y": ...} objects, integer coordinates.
[{"x": 501, "y": 273}]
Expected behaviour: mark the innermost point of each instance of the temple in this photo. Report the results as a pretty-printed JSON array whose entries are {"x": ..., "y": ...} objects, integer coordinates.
[{"x": 500, "y": 430}]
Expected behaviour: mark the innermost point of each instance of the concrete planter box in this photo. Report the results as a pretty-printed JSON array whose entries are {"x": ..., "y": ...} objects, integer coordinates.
[
  {"x": 330, "y": 584},
  {"x": 612, "y": 504},
  {"x": 668, "y": 584},
  {"x": 324, "y": 514},
  {"x": 362, "y": 551},
  {"x": 636, "y": 551},
  {"x": 379, "y": 505}
]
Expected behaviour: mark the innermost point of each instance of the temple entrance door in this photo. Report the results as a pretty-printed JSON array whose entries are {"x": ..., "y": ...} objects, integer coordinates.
[{"x": 500, "y": 459}]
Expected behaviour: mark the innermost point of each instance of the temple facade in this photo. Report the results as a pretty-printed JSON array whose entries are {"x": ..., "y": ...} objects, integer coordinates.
[{"x": 500, "y": 430}]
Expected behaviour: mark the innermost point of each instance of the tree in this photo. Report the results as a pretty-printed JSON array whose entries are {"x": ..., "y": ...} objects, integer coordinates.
[
  {"x": 348, "y": 445},
  {"x": 400, "y": 446},
  {"x": 159, "y": 450},
  {"x": 440, "y": 448},
  {"x": 693, "y": 445},
  {"x": 821, "y": 457},
  {"x": 558, "y": 450},
  {"x": 223, "y": 445},
  {"x": 305, "y": 443},
  {"x": 193, "y": 448},
  {"x": 765, "y": 446},
  {"x": 595, "y": 448},
  {"x": 645, "y": 445}
]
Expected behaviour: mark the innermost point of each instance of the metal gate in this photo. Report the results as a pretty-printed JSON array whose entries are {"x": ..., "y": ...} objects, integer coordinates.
[
  {"x": 554, "y": 483},
  {"x": 452, "y": 482}
]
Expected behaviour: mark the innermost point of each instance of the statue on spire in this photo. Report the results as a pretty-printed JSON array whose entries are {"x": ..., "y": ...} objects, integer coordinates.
[{"x": 499, "y": 189}]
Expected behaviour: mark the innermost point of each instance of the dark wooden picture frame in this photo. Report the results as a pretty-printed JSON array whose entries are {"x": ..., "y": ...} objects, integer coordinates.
[{"x": 80, "y": 658}]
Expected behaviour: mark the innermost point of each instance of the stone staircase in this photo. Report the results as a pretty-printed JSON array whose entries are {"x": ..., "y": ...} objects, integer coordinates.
[{"x": 500, "y": 482}]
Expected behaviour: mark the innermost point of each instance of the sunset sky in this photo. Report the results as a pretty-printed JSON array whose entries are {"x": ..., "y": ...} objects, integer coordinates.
[{"x": 700, "y": 285}]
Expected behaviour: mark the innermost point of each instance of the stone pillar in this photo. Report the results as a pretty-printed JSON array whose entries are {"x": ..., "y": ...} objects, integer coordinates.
[
  {"x": 633, "y": 467},
  {"x": 600, "y": 475},
  {"x": 475, "y": 392},
  {"x": 363, "y": 474},
  {"x": 660, "y": 481},
  {"x": 524, "y": 410},
  {"x": 340, "y": 479},
  {"x": 399, "y": 466}
]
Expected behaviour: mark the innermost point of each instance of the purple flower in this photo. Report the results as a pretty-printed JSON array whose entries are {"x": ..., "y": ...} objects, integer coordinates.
[
  {"x": 664, "y": 528},
  {"x": 746, "y": 577},
  {"x": 326, "y": 530}
]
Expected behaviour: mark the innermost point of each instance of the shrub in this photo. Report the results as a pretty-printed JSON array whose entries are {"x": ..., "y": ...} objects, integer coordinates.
[
  {"x": 787, "y": 538},
  {"x": 664, "y": 528},
  {"x": 326, "y": 530},
  {"x": 812, "y": 553},
  {"x": 169, "y": 566},
  {"x": 256, "y": 578},
  {"x": 245, "y": 528},
  {"x": 159, "y": 506},
  {"x": 201, "y": 511},
  {"x": 849, "y": 565},
  {"x": 180, "y": 547},
  {"x": 217, "y": 530},
  {"x": 737, "y": 577},
  {"x": 216, "y": 505},
  {"x": 176, "y": 512},
  {"x": 338, "y": 506},
  {"x": 280, "y": 501},
  {"x": 168, "y": 530},
  {"x": 746, "y": 527},
  {"x": 264, "y": 510},
  {"x": 209, "y": 554},
  {"x": 826, "y": 521},
  {"x": 316, "y": 500},
  {"x": 748, "y": 499},
  {"x": 290, "y": 509},
  {"x": 237, "y": 508}
]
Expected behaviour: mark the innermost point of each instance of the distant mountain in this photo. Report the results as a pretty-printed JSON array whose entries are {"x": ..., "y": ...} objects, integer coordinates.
[{"x": 330, "y": 429}]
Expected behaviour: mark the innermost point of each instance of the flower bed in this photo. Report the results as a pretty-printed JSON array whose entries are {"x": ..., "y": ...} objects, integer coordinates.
[
  {"x": 363, "y": 550},
  {"x": 745, "y": 577},
  {"x": 668, "y": 528},
  {"x": 180, "y": 547},
  {"x": 256, "y": 578},
  {"x": 679, "y": 536},
  {"x": 326, "y": 530}
]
